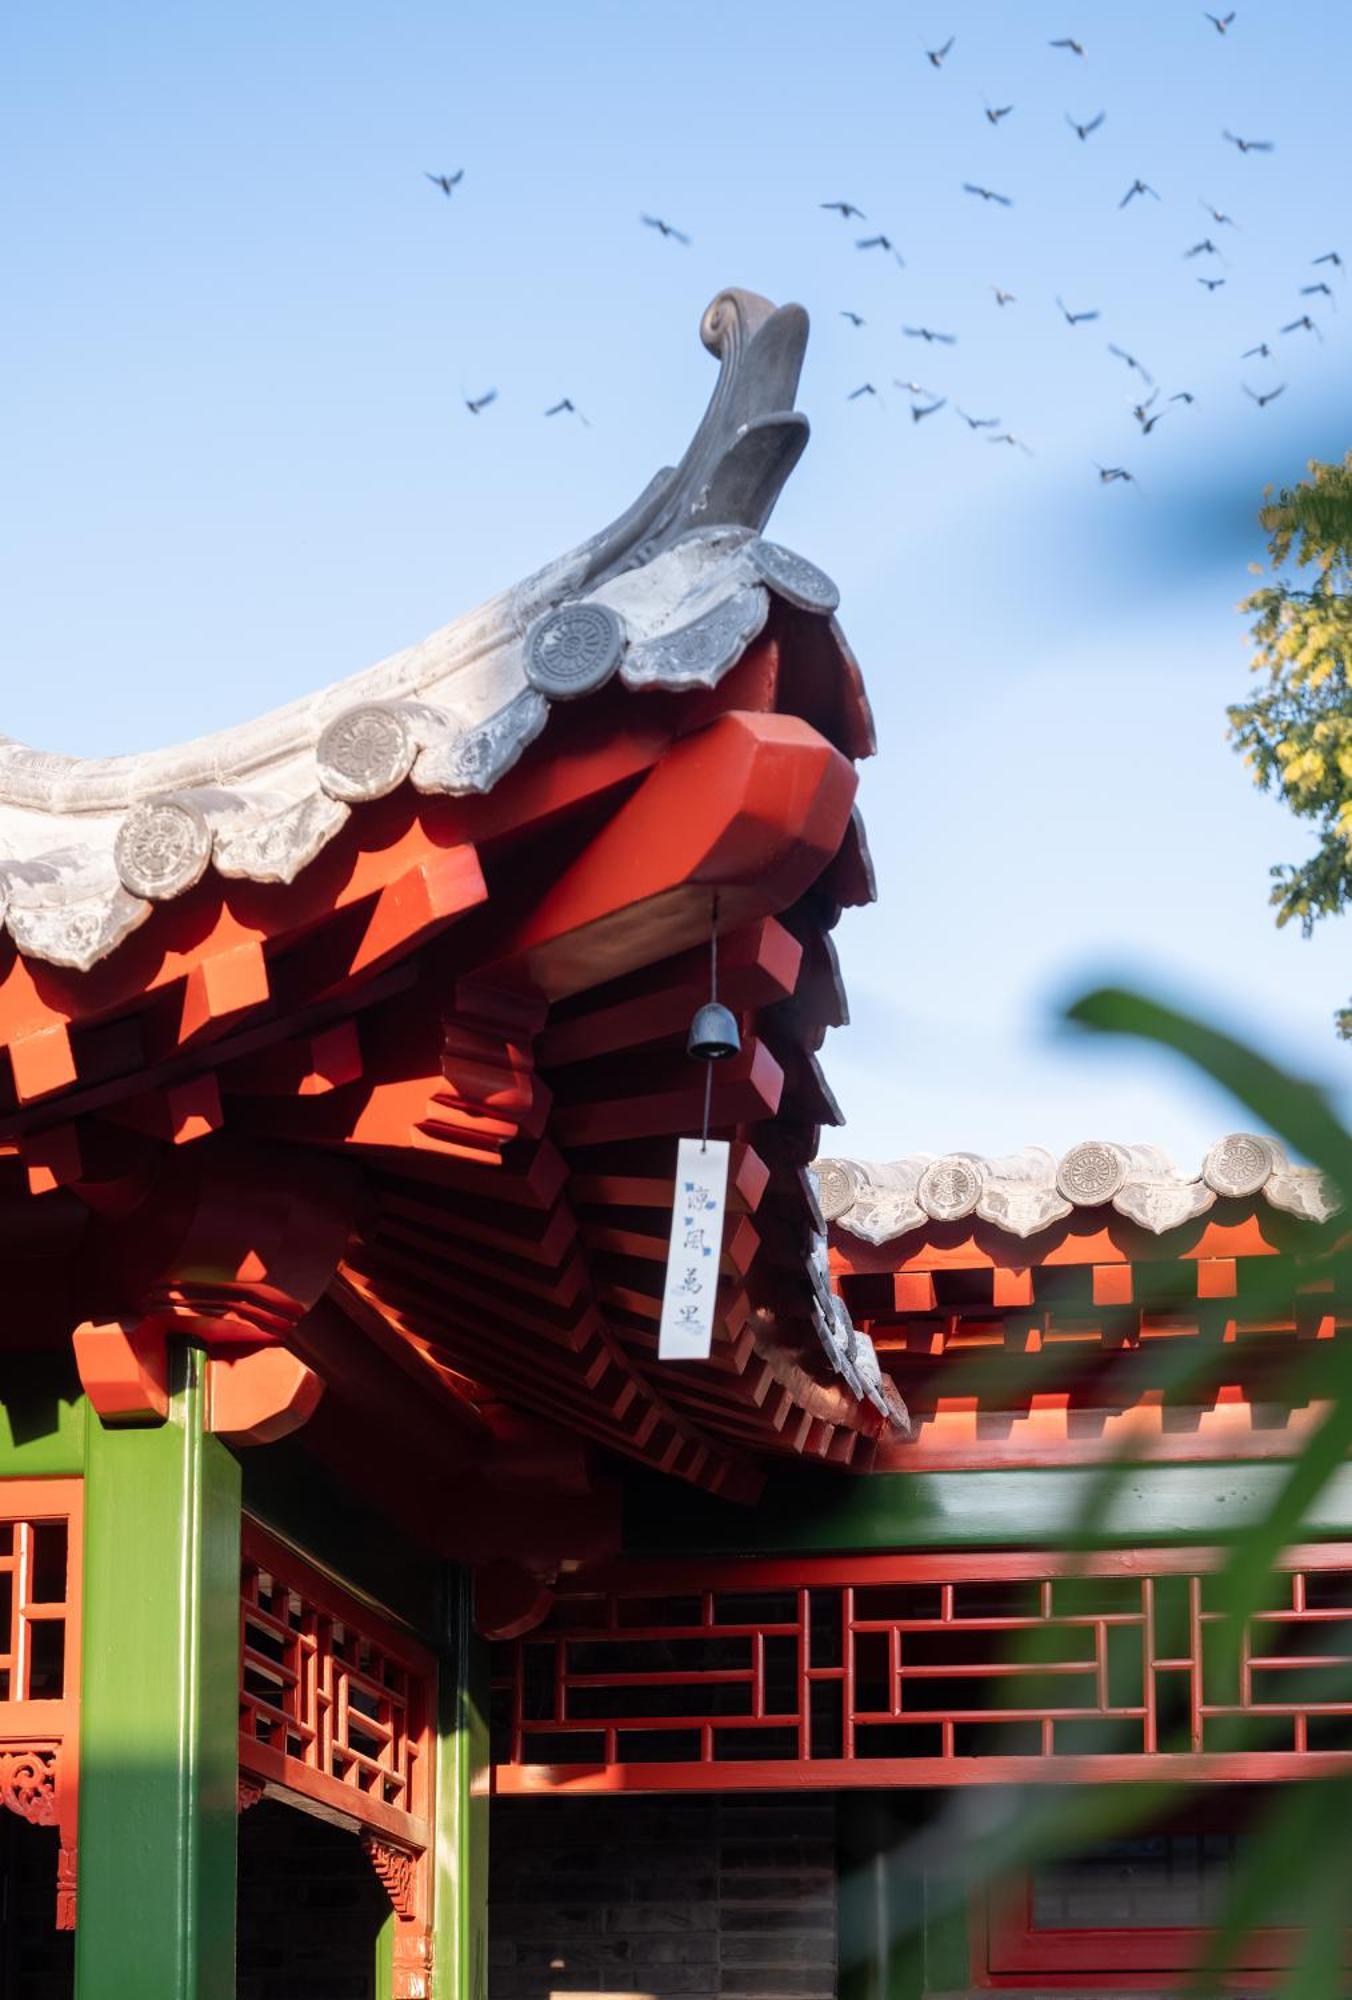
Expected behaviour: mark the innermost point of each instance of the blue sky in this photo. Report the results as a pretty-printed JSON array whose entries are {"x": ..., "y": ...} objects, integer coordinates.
[{"x": 236, "y": 465}]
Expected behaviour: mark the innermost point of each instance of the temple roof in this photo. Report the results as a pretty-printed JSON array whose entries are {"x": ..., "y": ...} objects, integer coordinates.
[
  {"x": 359, "y": 1052},
  {"x": 667, "y": 597},
  {"x": 1024, "y": 1192}
]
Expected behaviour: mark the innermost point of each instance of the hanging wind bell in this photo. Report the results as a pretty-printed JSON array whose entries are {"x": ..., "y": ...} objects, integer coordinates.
[{"x": 691, "y": 1292}]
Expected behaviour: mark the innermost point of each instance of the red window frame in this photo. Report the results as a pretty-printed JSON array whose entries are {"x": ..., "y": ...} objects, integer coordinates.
[
  {"x": 1009, "y": 1950},
  {"x": 40, "y": 1735}
]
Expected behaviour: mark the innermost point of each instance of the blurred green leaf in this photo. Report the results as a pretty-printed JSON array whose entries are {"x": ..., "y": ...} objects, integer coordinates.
[
  {"x": 1297, "y": 1111},
  {"x": 1297, "y": 1857}
]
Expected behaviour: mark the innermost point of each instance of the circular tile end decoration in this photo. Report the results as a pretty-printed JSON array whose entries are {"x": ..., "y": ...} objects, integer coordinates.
[
  {"x": 365, "y": 753},
  {"x": 162, "y": 848},
  {"x": 573, "y": 650},
  {"x": 1091, "y": 1173},
  {"x": 1238, "y": 1165},
  {"x": 794, "y": 578},
  {"x": 949, "y": 1188},
  {"x": 837, "y": 1182}
]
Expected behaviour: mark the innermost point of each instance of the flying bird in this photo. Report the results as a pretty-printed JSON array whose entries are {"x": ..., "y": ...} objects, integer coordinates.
[
  {"x": 1148, "y": 423},
  {"x": 1008, "y": 437},
  {"x": 448, "y": 183},
  {"x": 1182, "y": 396},
  {"x": 1309, "y": 291},
  {"x": 879, "y": 243},
  {"x": 1303, "y": 325},
  {"x": 864, "y": 389},
  {"x": 994, "y": 113},
  {"x": 566, "y": 405},
  {"x": 919, "y": 410},
  {"x": 666, "y": 228},
  {"x": 1083, "y": 131},
  {"x": 1132, "y": 362},
  {"x": 977, "y": 423},
  {"x": 1068, "y": 42},
  {"x": 855, "y": 319},
  {"x": 1219, "y": 218},
  {"x": 1108, "y": 473},
  {"x": 845, "y": 209},
  {"x": 1074, "y": 319},
  {"x": 936, "y": 56},
  {"x": 1141, "y": 410},
  {"x": 1329, "y": 257},
  {"x": 1263, "y": 351},
  {"x": 1263, "y": 401},
  {"x": 476, "y": 403},
  {"x": 1249, "y": 145},
  {"x": 1003, "y": 298},
  {"x": 1220, "y": 22},
  {"x": 927, "y": 334},
  {"x": 1212, "y": 284},
  {"x": 1206, "y": 248},
  {"x": 988, "y": 194},
  {"x": 1137, "y": 187},
  {"x": 913, "y": 388}
]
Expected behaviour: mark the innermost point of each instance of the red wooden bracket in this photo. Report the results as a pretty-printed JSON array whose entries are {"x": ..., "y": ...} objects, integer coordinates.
[
  {"x": 403, "y": 1874},
  {"x": 258, "y": 1397},
  {"x": 124, "y": 1369},
  {"x": 255, "y": 1394}
]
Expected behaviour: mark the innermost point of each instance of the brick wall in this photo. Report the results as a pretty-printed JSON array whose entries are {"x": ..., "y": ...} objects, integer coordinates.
[
  {"x": 310, "y": 1908},
  {"x": 719, "y": 1899}
]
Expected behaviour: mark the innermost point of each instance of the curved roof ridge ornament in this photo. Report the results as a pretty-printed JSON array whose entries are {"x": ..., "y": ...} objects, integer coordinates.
[
  {"x": 87, "y": 845},
  {"x": 735, "y": 467}
]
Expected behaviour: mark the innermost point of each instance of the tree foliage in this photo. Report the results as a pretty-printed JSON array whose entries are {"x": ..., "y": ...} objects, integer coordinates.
[{"x": 1296, "y": 732}]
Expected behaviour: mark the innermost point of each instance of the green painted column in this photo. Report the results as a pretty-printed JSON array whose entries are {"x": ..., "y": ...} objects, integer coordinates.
[
  {"x": 159, "y": 1711},
  {"x": 460, "y": 1881}
]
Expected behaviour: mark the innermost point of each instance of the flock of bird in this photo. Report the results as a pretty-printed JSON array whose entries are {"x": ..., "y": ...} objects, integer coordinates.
[{"x": 1148, "y": 410}]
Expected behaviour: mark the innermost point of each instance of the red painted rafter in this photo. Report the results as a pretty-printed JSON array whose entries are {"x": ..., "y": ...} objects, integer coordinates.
[{"x": 511, "y": 1130}]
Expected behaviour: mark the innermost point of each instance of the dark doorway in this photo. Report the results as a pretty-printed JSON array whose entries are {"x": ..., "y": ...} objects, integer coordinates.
[
  {"x": 310, "y": 1909},
  {"x": 37, "y": 1961}
]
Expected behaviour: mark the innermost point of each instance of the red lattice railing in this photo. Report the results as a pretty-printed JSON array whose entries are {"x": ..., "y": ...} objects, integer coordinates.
[
  {"x": 926, "y": 1669},
  {"x": 335, "y": 1703}
]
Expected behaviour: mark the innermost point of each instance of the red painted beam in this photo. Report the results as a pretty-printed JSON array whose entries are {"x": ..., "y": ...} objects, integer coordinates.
[
  {"x": 756, "y": 968},
  {"x": 753, "y": 807}
]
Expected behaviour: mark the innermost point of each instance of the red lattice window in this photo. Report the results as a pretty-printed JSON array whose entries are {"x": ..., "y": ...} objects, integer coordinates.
[
  {"x": 40, "y": 1551},
  {"x": 335, "y": 1702},
  {"x": 926, "y": 1670},
  {"x": 335, "y": 1716}
]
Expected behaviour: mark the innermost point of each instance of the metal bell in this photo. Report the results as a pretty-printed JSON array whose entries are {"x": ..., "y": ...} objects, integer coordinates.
[{"x": 713, "y": 1033}]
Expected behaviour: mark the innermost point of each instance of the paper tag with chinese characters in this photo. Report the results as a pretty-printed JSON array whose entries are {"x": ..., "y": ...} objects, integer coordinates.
[{"x": 687, "y": 1332}]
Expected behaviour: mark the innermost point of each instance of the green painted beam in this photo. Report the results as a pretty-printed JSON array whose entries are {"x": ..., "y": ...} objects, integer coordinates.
[
  {"x": 460, "y": 1883},
  {"x": 42, "y": 1418},
  {"x": 825, "y": 1513},
  {"x": 159, "y": 1712}
]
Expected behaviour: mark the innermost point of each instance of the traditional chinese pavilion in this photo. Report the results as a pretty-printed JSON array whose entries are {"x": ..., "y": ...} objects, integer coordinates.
[{"x": 352, "y": 1526}]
